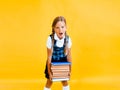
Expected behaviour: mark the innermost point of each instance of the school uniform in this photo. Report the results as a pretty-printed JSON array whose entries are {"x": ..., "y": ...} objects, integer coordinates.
[{"x": 58, "y": 54}]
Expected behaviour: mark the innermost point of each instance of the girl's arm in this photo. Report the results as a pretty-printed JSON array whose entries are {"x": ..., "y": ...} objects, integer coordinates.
[
  {"x": 49, "y": 56},
  {"x": 69, "y": 58}
]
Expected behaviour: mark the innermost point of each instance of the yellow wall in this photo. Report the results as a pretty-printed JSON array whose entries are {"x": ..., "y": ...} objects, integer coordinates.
[{"x": 93, "y": 25}]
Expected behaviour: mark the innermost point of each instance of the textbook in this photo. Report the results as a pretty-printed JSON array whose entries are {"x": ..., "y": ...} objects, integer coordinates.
[
  {"x": 60, "y": 67},
  {"x": 60, "y": 79},
  {"x": 60, "y": 71},
  {"x": 60, "y": 63}
]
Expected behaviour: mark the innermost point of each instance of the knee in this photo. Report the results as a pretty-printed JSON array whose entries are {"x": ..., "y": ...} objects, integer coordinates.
[
  {"x": 49, "y": 83},
  {"x": 64, "y": 83}
]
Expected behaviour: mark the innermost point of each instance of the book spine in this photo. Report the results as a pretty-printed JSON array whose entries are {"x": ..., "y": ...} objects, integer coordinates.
[
  {"x": 57, "y": 77},
  {"x": 61, "y": 70},
  {"x": 65, "y": 66},
  {"x": 60, "y": 79},
  {"x": 61, "y": 73},
  {"x": 60, "y": 63}
]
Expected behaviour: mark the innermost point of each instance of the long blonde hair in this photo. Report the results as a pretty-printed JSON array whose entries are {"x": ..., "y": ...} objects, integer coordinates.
[{"x": 59, "y": 18}]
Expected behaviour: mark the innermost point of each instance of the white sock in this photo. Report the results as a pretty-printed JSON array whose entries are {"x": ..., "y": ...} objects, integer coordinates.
[
  {"x": 46, "y": 88},
  {"x": 66, "y": 87}
]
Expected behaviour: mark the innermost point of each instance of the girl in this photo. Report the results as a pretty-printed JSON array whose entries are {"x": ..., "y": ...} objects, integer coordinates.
[{"x": 58, "y": 49}]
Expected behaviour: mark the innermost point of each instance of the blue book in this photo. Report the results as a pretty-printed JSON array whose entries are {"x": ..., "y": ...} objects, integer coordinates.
[{"x": 60, "y": 63}]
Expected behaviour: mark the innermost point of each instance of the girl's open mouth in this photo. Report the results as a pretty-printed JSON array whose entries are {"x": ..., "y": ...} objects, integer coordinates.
[{"x": 60, "y": 34}]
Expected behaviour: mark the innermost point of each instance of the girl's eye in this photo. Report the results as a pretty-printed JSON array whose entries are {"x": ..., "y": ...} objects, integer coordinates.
[
  {"x": 62, "y": 27},
  {"x": 57, "y": 27}
]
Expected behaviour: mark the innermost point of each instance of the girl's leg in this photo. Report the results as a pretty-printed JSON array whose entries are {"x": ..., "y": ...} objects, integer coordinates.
[
  {"x": 65, "y": 85},
  {"x": 48, "y": 84}
]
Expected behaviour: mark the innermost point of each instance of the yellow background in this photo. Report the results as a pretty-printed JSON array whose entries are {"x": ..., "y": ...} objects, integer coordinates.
[{"x": 93, "y": 25}]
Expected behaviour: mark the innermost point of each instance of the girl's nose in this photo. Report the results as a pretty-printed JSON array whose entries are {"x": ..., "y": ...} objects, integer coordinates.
[{"x": 60, "y": 28}]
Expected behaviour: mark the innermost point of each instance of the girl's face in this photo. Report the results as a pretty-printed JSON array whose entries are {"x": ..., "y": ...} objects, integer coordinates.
[{"x": 60, "y": 29}]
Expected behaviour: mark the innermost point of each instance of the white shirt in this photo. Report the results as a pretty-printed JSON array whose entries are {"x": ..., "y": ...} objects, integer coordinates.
[{"x": 59, "y": 42}]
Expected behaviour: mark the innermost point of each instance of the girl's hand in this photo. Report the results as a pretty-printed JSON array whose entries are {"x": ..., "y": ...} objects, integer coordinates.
[
  {"x": 50, "y": 76},
  {"x": 69, "y": 74}
]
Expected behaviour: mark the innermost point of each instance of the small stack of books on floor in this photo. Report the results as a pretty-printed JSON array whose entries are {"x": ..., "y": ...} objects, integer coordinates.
[{"x": 60, "y": 71}]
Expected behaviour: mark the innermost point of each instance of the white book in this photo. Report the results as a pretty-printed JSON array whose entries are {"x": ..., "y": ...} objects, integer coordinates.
[{"x": 60, "y": 79}]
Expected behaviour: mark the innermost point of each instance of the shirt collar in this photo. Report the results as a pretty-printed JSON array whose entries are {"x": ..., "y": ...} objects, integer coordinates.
[{"x": 56, "y": 37}]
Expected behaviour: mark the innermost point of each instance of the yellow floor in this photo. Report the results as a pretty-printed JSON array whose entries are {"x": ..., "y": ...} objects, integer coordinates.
[{"x": 89, "y": 83}]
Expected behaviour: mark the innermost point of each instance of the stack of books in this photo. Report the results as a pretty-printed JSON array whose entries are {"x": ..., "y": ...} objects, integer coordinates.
[{"x": 60, "y": 71}]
